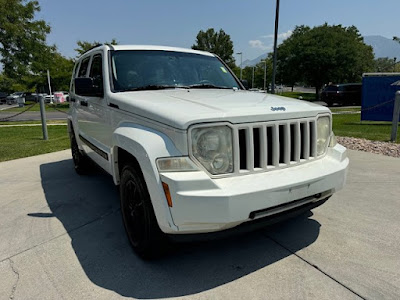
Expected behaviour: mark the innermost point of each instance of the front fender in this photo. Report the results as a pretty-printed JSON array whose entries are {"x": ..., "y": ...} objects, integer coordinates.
[{"x": 146, "y": 145}]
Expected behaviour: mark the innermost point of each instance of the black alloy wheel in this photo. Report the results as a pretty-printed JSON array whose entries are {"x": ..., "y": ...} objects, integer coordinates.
[{"x": 138, "y": 215}]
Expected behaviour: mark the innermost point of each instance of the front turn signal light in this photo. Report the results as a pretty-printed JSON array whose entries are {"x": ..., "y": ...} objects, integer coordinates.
[{"x": 167, "y": 194}]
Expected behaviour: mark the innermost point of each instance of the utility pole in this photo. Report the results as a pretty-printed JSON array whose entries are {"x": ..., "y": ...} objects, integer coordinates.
[
  {"x": 275, "y": 46},
  {"x": 252, "y": 79},
  {"x": 48, "y": 80},
  {"x": 43, "y": 118}
]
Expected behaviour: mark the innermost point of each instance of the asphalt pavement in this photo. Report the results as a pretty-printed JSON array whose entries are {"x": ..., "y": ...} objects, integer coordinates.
[
  {"x": 61, "y": 237},
  {"x": 33, "y": 115}
]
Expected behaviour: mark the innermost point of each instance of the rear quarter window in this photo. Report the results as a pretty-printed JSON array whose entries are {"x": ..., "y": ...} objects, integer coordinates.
[{"x": 83, "y": 67}]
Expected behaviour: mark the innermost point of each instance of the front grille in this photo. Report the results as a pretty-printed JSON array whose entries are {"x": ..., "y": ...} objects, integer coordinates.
[{"x": 273, "y": 145}]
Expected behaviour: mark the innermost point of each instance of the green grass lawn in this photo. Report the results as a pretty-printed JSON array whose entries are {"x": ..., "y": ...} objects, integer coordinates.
[
  {"x": 357, "y": 108},
  {"x": 61, "y": 106},
  {"x": 296, "y": 95},
  {"x": 352, "y": 126},
  {"x": 18, "y": 142}
]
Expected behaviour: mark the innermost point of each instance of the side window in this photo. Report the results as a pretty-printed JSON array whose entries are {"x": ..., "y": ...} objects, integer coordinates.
[
  {"x": 96, "y": 70},
  {"x": 84, "y": 67}
]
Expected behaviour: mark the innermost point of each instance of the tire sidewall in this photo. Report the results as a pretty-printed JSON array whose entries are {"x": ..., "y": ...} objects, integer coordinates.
[{"x": 151, "y": 232}]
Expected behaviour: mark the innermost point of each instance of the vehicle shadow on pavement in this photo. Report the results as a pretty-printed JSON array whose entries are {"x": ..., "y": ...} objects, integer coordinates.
[{"x": 88, "y": 207}]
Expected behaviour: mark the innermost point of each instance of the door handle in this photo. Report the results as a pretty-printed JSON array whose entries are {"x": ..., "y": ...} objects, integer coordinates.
[{"x": 84, "y": 103}]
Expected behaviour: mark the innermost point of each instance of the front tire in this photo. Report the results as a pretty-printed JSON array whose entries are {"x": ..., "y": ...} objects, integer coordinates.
[{"x": 140, "y": 222}]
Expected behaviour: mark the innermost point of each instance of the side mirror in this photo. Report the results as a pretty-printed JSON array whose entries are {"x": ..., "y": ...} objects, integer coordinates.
[
  {"x": 85, "y": 86},
  {"x": 245, "y": 83}
]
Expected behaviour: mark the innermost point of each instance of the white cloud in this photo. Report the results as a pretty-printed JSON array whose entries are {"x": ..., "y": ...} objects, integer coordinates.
[
  {"x": 259, "y": 45},
  {"x": 281, "y": 36},
  {"x": 285, "y": 35}
]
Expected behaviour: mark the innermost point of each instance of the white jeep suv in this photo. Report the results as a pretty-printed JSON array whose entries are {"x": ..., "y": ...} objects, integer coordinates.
[{"x": 191, "y": 150}]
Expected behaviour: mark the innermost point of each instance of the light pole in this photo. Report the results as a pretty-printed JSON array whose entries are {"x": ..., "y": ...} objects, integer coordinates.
[
  {"x": 265, "y": 74},
  {"x": 241, "y": 56},
  {"x": 275, "y": 46}
]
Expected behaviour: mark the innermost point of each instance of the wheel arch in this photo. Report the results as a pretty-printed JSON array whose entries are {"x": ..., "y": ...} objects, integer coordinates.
[{"x": 142, "y": 146}]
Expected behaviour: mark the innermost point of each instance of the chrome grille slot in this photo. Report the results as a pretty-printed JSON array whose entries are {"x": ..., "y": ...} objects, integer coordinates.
[
  {"x": 270, "y": 149},
  {"x": 294, "y": 144},
  {"x": 242, "y": 149},
  {"x": 257, "y": 147},
  {"x": 305, "y": 140},
  {"x": 313, "y": 139},
  {"x": 282, "y": 143},
  {"x": 274, "y": 145}
]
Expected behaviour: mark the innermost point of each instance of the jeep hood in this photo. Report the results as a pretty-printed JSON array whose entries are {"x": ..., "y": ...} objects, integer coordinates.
[{"x": 181, "y": 108}]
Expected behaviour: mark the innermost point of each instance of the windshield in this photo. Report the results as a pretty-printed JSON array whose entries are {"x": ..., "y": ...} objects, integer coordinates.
[
  {"x": 148, "y": 69},
  {"x": 331, "y": 88}
]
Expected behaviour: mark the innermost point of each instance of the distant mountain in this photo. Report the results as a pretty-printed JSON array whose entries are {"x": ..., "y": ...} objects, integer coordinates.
[
  {"x": 383, "y": 47},
  {"x": 253, "y": 62}
]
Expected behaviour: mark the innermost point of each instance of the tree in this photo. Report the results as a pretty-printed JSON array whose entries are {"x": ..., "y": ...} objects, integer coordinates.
[
  {"x": 84, "y": 46},
  {"x": 218, "y": 43},
  {"x": 384, "y": 64},
  {"x": 21, "y": 36},
  {"x": 60, "y": 71},
  {"x": 324, "y": 54}
]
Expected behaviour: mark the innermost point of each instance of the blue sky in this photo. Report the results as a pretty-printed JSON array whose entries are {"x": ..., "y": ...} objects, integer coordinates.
[{"x": 177, "y": 22}]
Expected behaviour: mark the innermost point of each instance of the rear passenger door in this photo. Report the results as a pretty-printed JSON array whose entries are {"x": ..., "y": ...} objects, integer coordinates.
[{"x": 92, "y": 113}]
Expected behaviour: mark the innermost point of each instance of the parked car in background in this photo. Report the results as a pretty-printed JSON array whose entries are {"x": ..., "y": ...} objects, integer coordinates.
[
  {"x": 342, "y": 94},
  {"x": 60, "y": 97},
  {"x": 30, "y": 96},
  {"x": 13, "y": 98},
  {"x": 21, "y": 97},
  {"x": 3, "y": 97},
  {"x": 48, "y": 98}
]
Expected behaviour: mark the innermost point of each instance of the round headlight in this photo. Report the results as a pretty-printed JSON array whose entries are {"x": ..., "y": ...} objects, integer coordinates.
[{"x": 212, "y": 147}]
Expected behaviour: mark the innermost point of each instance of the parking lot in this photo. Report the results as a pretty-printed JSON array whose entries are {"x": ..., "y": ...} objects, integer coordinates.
[{"x": 61, "y": 237}]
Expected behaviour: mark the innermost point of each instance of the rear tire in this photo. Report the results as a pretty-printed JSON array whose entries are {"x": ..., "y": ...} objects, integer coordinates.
[
  {"x": 141, "y": 226},
  {"x": 81, "y": 161}
]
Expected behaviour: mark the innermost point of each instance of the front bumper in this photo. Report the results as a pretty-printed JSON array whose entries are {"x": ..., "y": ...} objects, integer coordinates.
[{"x": 202, "y": 204}]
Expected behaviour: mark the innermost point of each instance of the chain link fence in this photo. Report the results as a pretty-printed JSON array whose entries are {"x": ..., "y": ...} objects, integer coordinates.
[
  {"x": 18, "y": 113},
  {"x": 29, "y": 107},
  {"x": 350, "y": 112}
]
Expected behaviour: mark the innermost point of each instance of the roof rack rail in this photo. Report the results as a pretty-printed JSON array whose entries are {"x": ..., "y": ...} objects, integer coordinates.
[{"x": 95, "y": 46}]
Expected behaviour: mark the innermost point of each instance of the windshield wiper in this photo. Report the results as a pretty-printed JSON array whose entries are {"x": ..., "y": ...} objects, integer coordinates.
[
  {"x": 207, "y": 86},
  {"x": 151, "y": 87}
]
